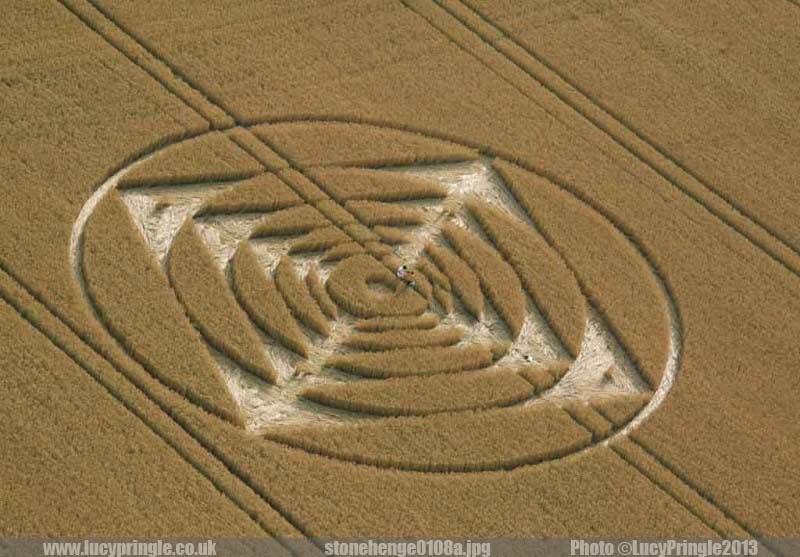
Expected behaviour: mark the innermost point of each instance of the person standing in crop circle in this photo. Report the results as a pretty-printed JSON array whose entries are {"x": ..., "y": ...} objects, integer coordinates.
[{"x": 406, "y": 275}]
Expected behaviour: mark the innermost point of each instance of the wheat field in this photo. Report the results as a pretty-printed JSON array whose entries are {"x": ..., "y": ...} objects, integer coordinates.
[{"x": 400, "y": 269}]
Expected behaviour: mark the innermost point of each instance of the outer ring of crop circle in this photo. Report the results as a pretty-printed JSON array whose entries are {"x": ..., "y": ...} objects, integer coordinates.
[{"x": 673, "y": 363}]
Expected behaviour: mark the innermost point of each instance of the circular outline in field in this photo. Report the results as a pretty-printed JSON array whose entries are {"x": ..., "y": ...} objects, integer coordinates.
[{"x": 675, "y": 331}]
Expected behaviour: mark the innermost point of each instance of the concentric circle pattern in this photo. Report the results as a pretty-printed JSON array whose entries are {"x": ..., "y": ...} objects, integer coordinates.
[{"x": 446, "y": 310}]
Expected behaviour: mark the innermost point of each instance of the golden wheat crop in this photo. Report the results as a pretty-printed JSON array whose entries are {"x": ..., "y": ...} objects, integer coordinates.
[
  {"x": 544, "y": 377},
  {"x": 616, "y": 280},
  {"x": 413, "y": 361},
  {"x": 259, "y": 296},
  {"x": 264, "y": 192},
  {"x": 121, "y": 273},
  {"x": 320, "y": 295},
  {"x": 350, "y": 286},
  {"x": 344, "y": 144},
  {"x": 496, "y": 276},
  {"x": 391, "y": 235},
  {"x": 429, "y": 269},
  {"x": 209, "y": 158},
  {"x": 361, "y": 233},
  {"x": 544, "y": 275},
  {"x": 204, "y": 292},
  {"x": 426, "y": 321},
  {"x": 496, "y": 438},
  {"x": 319, "y": 239},
  {"x": 380, "y": 213},
  {"x": 378, "y": 249},
  {"x": 621, "y": 410},
  {"x": 335, "y": 213},
  {"x": 304, "y": 187},
  {"x": 248, "y": 142},
  {"x": 294, "y": 220},
  {"x": 461, "y": 276},
  {"x": 342, "y": 251},
  {"x": 297, "y": 296},
  {"x": 88, "y": 427},
  {"x": 574, "y": 91},
  {"x": 588, "y": 417},
  {"x": 444, "y": 299},
  {"x": 403, "y": 338},
  {"x": 376, "y": 185},
  {"x": 420, "y": 396}
]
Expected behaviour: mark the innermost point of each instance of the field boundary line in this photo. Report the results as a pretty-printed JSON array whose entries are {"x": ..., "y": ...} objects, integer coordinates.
[
  {"x": 679, "y": 321},
  {"x": 226, "y": 121},
  {"x": 36, "y": 313},
  {"x": 486, "y": 151},
  {"x": 790, "y": 260},
  {"x": 615, "y": 129},
  {"x": 155, "y": 58},
  {"x": 713, "y": 517},
  {"x": 96, "y": 20},
  {"x": 683, "y": 477},
  {"x": 213, "y": 103},
  {"x": 637, "y": 142},
  {"x": 621, "y": 448},
  {"x": 704, "y": 512},
  {"x": 229, "y": 123},
  {"x": 24, "y": 310}
]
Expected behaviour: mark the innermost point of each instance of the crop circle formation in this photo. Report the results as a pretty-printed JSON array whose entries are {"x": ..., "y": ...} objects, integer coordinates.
[{"x": 396, "y": 312}]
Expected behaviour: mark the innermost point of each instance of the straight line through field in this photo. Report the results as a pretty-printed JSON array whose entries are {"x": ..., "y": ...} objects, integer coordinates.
[
  {"x": 218, "y": 106},
  {"x": 213, "y": 106},
  {"x": 617, "y": 447},
  {"x": 561, "y": 87},
  {"x": 97, "y": 376},
  {"x": 286, "y": 516},
  {"x": 651, "y": 165},
  {"x": 68, "y": 4},
  {"x": 700, "y": 493},
  {"x": 295, "y": 166}
]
